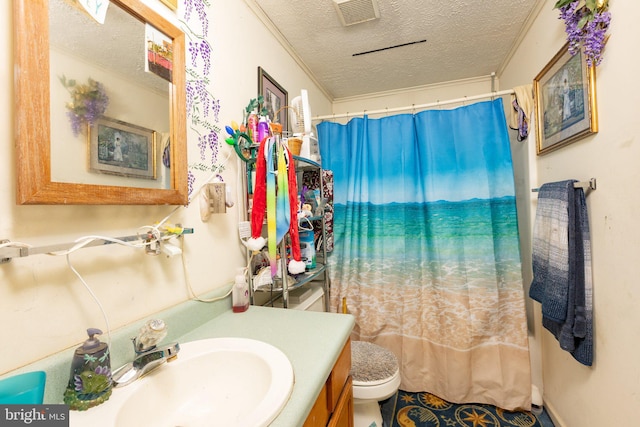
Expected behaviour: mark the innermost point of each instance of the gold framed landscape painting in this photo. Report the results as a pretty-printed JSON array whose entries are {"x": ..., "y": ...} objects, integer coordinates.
[{"x": 565, "y": 100}]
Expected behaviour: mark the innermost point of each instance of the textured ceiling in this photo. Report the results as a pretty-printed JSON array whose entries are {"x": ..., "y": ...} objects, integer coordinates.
[{"x": 465, "y": 39}]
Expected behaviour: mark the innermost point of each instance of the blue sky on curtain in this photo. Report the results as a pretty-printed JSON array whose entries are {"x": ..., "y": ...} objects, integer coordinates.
[{"x": 427, "y": 251}]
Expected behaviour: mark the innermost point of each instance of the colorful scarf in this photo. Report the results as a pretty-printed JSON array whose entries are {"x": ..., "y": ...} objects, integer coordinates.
[{"x": 281, "y": 210}]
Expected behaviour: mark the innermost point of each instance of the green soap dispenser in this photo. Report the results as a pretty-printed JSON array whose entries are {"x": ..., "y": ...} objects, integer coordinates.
[{"x": 90, "y": 379}]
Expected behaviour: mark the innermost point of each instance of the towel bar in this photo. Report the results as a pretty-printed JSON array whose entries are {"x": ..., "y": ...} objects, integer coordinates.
[{"x": 585, "y": 185}]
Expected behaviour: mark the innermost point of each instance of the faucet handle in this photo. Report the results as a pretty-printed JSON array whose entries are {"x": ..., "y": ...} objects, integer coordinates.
[{"x": 150, "y": 334}]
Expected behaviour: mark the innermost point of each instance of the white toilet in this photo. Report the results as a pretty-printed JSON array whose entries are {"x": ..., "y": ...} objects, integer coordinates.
[{"x": 376, "y": 377}]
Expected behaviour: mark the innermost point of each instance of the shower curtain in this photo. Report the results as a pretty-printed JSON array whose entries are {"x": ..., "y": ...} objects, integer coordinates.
[{"x": 426, "y": 249}]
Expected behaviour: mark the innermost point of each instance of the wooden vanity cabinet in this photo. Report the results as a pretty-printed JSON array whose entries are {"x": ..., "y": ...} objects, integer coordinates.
[
  {"x": 343, "y": 413},
  {"x": 334, "y": 405}
]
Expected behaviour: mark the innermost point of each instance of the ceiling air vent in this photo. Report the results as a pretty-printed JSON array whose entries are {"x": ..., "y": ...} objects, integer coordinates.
[{"x": 356, "y": 11}]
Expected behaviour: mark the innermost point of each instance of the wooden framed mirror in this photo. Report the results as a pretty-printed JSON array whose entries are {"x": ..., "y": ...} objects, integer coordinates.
[{"x": 127, "y": 143}]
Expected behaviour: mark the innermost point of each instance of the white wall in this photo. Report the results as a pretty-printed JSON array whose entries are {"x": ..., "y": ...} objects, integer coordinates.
[
  {"x": 43, "y": 307},
  {"x": 410, "y": 97},
  {"x": 608, "y": 393}
]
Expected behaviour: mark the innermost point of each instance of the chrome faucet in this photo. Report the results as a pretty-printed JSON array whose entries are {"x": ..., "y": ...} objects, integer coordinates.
[{"x": 148, "y": 355}]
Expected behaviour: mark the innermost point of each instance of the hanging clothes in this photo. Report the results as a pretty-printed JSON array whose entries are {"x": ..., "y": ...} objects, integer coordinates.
[
  {"x": 522, "y": 111},
  {"x": 427, "y": 249}
]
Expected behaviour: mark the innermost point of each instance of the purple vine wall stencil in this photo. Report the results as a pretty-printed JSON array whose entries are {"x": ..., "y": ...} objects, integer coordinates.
[{"x": 203, "y": 108}]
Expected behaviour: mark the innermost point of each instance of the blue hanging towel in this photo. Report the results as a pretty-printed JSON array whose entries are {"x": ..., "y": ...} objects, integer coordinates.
[{"x": 562, "y": 267}]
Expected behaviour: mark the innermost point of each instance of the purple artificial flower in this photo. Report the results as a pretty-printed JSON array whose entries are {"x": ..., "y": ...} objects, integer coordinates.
[
  {"x": 88, "y": 103},
  {"x": 594, "y": 38},
  {"x": 571, "y": 16},
  {"x": 586, "y": 29}
]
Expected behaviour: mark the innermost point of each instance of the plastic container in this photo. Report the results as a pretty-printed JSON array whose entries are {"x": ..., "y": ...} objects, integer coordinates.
[
  {"x": 23, "y": 389},
  {"x": 240, "y": 293},
  {"x": 295, "y": 145},
  {"x": 252, "y": 124},
  {"x": 90, "y": 377},
  {"x": 263, "y": 129},
  {"x": 307, "y": 249}
]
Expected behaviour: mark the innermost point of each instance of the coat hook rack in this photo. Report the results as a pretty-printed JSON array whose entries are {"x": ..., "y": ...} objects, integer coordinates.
[{"x": 585, "y": 185}]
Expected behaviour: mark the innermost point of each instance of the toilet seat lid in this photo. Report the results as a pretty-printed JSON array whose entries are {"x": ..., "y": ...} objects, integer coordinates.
[{"x": 372, "y": 364}]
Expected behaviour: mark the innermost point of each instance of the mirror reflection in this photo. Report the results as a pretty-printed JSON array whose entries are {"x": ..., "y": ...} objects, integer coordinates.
[
  {"x": 100, "y": 110},
  {"x": 108, "y": 110}
]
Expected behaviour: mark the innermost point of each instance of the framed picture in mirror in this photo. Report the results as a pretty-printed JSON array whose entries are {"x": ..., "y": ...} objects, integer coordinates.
[
  {"x": 120, "y": 148},
  {"x": 565, "y": 101},
  {"x": 159, "y": 55}
]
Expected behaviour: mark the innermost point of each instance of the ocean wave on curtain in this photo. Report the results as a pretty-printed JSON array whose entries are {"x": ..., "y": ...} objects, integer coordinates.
[{"x": 427, "y": 251}]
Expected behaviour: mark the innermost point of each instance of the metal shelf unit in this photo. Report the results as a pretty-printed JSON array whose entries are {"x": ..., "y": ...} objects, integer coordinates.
[{"x": 281, "y": 288}]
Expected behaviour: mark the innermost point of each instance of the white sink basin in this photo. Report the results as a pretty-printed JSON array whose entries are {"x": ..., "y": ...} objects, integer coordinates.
[{"x": 214, "y": 382}]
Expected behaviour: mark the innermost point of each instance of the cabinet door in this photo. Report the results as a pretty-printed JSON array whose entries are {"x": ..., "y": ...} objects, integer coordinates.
[
  {"x": 343, "y": 414},
  {"x": 320, "y": 412},
  {"x": 339, "y": 375}
]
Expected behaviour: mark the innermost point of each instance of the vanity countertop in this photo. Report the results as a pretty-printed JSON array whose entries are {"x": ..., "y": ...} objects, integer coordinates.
[{"x": 311, "y": 340}]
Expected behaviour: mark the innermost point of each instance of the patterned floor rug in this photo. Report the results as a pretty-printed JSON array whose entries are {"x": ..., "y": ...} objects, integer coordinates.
[{"x": 406, "y": 409}]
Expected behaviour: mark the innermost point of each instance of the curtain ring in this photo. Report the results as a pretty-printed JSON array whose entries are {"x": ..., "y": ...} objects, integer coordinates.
[
  {"x": 386, "y": 114},
  {"x": 438, "y": 103},
  {"x": 413, "y": 108}
]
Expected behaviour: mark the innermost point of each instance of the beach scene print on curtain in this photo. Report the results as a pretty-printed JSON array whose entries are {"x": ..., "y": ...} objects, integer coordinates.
[{"x": 427, "y": 250}]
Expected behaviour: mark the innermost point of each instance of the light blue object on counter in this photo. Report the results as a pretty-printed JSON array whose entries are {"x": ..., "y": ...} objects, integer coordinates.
[{"x": 25, "y": 389}]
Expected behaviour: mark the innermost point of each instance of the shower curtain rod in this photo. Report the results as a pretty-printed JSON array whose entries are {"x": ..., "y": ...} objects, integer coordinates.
[{"x": 416, "y": 107}]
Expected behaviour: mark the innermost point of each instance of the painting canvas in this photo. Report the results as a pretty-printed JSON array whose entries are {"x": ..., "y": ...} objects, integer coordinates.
[
  {"x": 119, "y": 148},
  {"x": 275, "y": 98},
  {"x": 565, "y": 101},
  {"x": 159, "y": 52}
]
